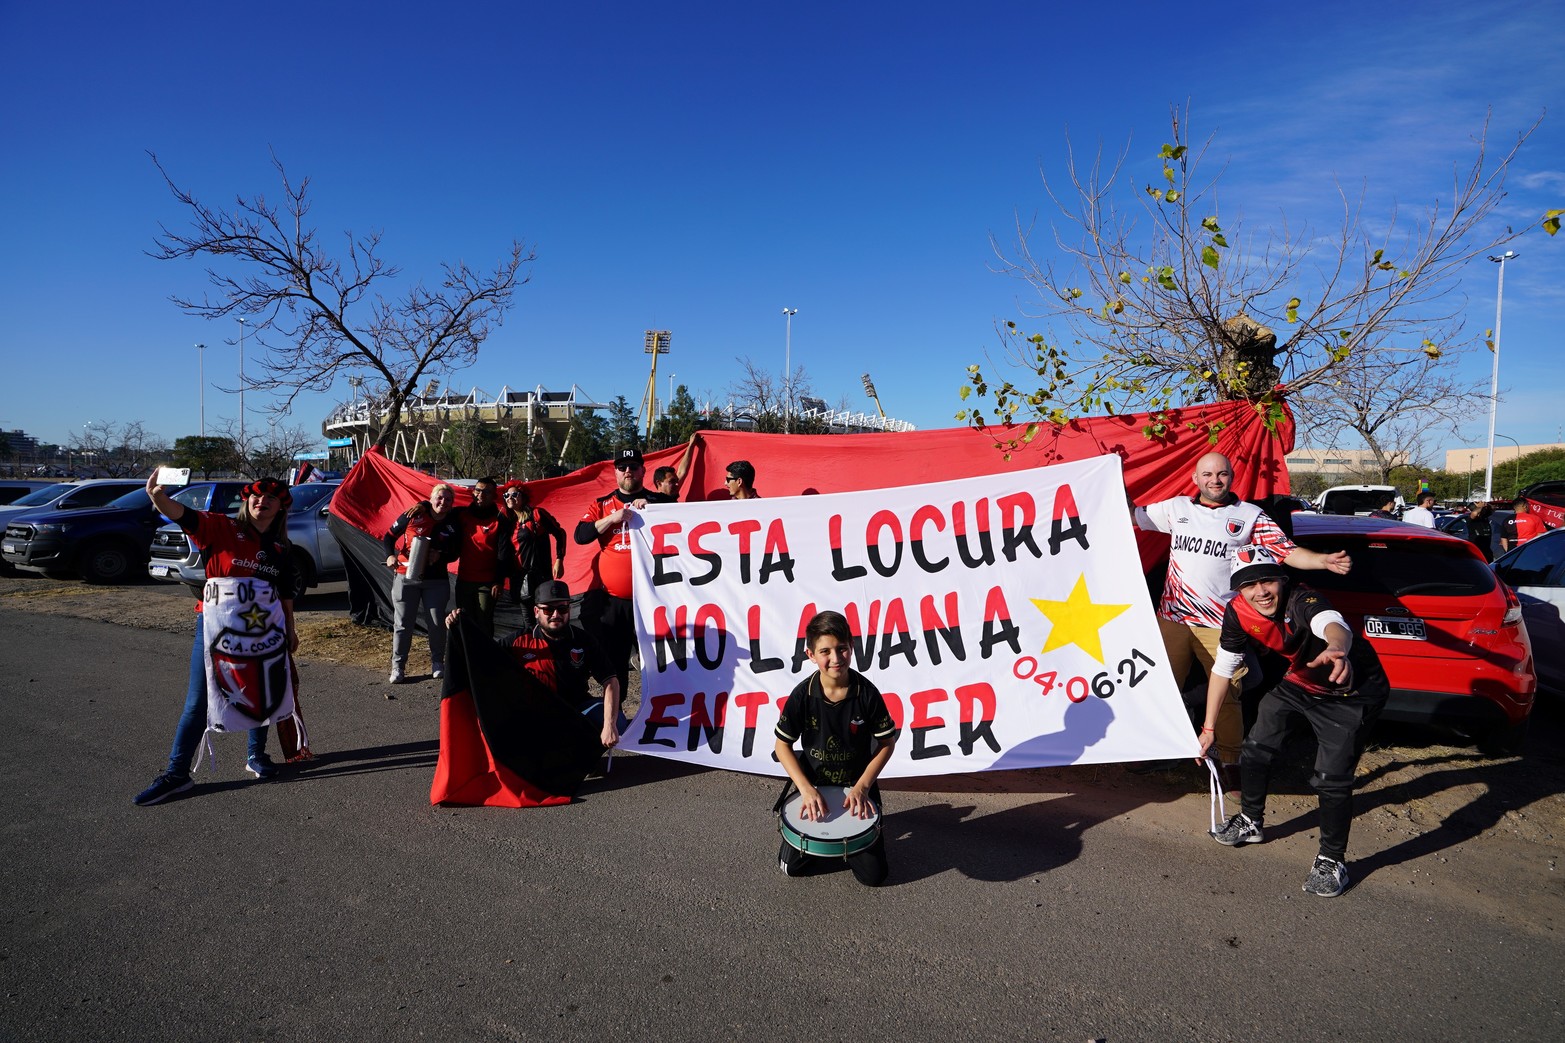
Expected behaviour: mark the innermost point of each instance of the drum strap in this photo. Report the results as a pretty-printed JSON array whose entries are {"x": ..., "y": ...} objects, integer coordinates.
[{"x": 788, "y": 790}]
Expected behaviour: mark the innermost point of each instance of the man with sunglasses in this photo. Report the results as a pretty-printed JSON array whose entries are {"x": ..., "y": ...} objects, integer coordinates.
[
  {"x": 562, "y": 657},
  {"x": 740, "y": 481},
  {"x": 606, "y": 607}
]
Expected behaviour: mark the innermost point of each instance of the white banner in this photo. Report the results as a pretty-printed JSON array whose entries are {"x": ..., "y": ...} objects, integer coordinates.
[
  {"x": 1005, "y": 619},
  {"x": 248, "y": 679}
]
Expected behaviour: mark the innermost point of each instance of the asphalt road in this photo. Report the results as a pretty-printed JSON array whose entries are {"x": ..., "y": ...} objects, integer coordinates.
[{"x": 338, "y": 904}]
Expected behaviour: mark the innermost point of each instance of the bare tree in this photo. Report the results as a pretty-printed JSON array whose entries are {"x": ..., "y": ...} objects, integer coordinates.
[
  {"x": 118, "y": 450},
  {"x": 1392, "y": 401},
  {"x": 319, "y": 316},
  {"x": 268, "y": 451},
  {"x": 1161, "y": 308},
  {"x": 766, "y": 397}
]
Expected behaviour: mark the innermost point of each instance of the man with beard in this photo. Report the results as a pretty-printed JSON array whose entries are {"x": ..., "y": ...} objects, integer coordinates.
[
  {"x": 562, "y": 657},
  {"x": 483, "y": 533},
  {"x": 1331, "y": 682},
  {"x": 606, "y": 609}
]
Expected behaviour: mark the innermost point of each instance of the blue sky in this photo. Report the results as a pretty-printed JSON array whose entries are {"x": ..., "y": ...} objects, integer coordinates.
[{"x": 700, "y": 167}]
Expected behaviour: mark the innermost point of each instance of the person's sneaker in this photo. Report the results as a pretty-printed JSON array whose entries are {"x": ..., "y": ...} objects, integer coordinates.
[
  {"x": 438, "y": 671},
  {"x": 396, "y": 675},
  {"x": 1239, "y": 830},
  {"x": 1328, "y": 878},
  {"x": 261, "y": 766},
  {"x": 162, "y": 788}
]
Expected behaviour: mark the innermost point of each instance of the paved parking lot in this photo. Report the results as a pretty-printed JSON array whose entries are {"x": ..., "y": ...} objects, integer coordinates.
[{"x": 1072, "y": 904}]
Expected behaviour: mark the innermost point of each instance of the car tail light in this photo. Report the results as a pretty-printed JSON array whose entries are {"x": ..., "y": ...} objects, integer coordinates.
[{"x": 1513, "y": 607}]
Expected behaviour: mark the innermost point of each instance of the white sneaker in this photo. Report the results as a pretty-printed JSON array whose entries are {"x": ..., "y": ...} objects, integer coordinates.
[
  {"x": 396, "y": 675},
  {"x": 439, "y": 671}
]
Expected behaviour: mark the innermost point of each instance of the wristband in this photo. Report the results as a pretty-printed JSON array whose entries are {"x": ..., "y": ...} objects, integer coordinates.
[{"x": 1209, "y": 730}]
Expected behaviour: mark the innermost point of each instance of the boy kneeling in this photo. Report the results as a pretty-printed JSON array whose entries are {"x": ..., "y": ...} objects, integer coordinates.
[
  {"x": 1334, "y": 683},
  {"x": 835, "y": 716}
]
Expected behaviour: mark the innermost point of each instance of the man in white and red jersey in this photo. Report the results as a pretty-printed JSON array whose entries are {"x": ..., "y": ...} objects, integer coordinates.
[
  {"x": 606, "y": 606},
  {"x": 1203, "y": 531}
]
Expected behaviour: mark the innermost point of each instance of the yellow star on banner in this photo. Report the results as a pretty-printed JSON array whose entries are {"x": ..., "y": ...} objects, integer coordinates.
[
  {"x": 1076, "y": 620},
  {"x": 255, "y": 619}
]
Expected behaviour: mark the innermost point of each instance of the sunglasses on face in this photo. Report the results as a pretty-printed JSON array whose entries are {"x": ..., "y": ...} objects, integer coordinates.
[{"x": 555, "y": 610}]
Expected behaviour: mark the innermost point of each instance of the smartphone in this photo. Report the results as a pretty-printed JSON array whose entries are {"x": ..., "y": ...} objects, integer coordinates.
[{"x": 170, "y": 477}]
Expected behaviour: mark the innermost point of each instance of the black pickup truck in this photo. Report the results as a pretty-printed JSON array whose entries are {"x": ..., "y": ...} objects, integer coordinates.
[{"x": 105, "y": 544}]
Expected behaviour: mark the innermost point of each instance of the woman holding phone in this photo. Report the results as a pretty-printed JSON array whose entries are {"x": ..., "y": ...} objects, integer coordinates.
[{"x": 252, "y": 546}]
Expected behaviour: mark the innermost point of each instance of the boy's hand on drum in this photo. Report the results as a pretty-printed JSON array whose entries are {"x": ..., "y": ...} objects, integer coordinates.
[
  {"x": 814, "y": 808},
  {"x": 857, "y": 802}
]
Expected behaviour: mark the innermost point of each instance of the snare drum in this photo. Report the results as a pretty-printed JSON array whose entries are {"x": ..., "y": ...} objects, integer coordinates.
[{"x": 838, "y": 835}]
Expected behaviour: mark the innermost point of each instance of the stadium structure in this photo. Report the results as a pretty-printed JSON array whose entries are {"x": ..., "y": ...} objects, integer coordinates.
[{"x": 355, "y": 426}]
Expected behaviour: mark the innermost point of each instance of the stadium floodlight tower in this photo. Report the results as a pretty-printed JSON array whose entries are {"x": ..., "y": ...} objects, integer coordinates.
[
  {"x": 869, "y": 389},
  {"x": 657, "y": 342}
]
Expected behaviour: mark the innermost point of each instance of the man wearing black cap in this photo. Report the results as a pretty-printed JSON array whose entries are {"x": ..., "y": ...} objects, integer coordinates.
[
  {"x": 562, "y": 657},
  {"x": 1335, "y": 684},
  {"x": 606, "y": 606}
]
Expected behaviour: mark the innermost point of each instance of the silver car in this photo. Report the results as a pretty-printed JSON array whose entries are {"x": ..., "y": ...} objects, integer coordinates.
[{"x": 317, "y": 555}]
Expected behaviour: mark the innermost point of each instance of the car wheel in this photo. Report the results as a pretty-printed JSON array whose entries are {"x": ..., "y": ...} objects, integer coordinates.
[
  {"x": 7, "y": 569},
  {"x": 1505, "y": 740},
  {"x": 304, "y": 568},
  {"x": 106, "y": 562}
]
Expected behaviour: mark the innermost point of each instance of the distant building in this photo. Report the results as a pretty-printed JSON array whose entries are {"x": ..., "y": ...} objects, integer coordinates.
[
  {"x": 1466, "y": 461},
  {"x": 22, "y": 446},
  {"x": 1339, "y": 461}
]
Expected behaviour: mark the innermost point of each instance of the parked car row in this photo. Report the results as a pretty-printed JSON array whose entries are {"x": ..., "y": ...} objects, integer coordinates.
[
  {"x": 316, "y": 553},
  {"x": 106, "y": 531}
]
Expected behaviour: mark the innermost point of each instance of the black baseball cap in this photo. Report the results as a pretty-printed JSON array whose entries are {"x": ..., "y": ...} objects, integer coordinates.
[
  {"x": 630, "y": 455},
  {"x": 551, "y": 592}
]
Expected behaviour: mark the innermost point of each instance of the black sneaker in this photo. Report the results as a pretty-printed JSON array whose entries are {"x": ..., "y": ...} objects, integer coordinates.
[
  {"x": 162, "y": 788},
  {"x": 1328, "y": 878},
  {"x": 261, "y": 766},
  {"x": 1239, "y": 830}
]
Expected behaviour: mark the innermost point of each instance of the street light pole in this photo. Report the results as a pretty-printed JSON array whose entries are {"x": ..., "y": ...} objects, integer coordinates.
[
  {"x": 1517, "y": 480},
  {"x": 1494, "y": 379},
  {"x": 788, "y": 314},
  {"x": 201, "y": 389},
  {"x": 241, "y": 387}
]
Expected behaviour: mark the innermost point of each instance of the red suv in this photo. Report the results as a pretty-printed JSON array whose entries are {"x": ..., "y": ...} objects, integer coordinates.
[{"x": 1448, "y": 632}]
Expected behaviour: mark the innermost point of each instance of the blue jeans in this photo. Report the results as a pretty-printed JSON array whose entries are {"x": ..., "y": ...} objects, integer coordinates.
[{"x": 192, "y": 722}]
